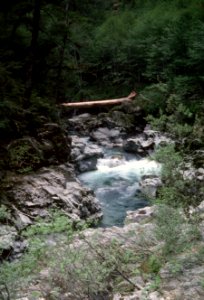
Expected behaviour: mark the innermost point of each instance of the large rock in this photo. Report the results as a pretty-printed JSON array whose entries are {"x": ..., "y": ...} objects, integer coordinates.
[
  {"x": 107, "y": 137},
  {"x": 139, "y": 145},
  {"x": 141, "y": 215},
  {"x": 187, "y": 283},
  {"x": 50, "y": 146},
  {"x": 83, "y": 124},
  {"x": 54, "y": 143},
  {"x": 146, "y": 142},
  {"x": 200, "y": 174},
  {"x": 10, "y": 244},
  {"x": 160, "y": 139},
  {"x": 149, "y": 186},
  {"x": 85, "y": 154},
  {"x": 125, "y": 119},
  {"x": 119, "y": 119},
  {"x": 198, "y": 158},
  {"x": 8, "y": 235},
  {"x": 34, "y": 195}
]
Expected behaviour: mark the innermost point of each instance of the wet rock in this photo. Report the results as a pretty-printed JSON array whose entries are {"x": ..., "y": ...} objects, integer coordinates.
[
  {"x": 133, "y": 296},
  {"x": 106, "y": 137},
  {"x": 139, "y": 145},
  {"x": 149, "y": 186},
  {"x": 198, "y": 158},
  {"x": 86, "y": 165},
  {"x": 82, "y": 124},
  {"x": 85, "y": 154},
  {"x": 155, "y": 296},
  {"x": 159, "y": 138},
  {"x": 200, "y": 174},
  {"x": 146, "y": 142},
  {"x": 80, "y": 119}
]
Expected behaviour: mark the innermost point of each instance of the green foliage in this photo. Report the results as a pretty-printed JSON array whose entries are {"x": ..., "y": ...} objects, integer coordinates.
[
  {"x": 5, "y": 214},
  {"x": 174, "y": 230},
  {"x": 91, "y": 270},
  {"x": 24, "y": 156},
  {"x": 170, "y": 158},
  {"x": 178, "y": 189},
  {"x": 99, "y": 50},
  {"x": 58, "y": 222},
  {"x": 158, "y": 123},
  {"x": 150, "y": 268},
  {"x": 202, "y": 283},
  {"x": 175, "y": 267},
  {"x": 154, "y": 264},
  {"x": 153, "y": 98},
  {"x": 122, "y": 119},
  {"x": 172, "y": 124},
  {"x": 21, "y": 272},
  {"x": 81, "y": 267},
  {"x": 155, "y": 285}
]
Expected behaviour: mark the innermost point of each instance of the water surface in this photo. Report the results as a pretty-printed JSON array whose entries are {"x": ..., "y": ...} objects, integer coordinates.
[{"x": 116, "y": 184}]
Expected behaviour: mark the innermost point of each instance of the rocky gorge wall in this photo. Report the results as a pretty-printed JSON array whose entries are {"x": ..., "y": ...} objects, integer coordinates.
[{"x": 39, "y": 171}]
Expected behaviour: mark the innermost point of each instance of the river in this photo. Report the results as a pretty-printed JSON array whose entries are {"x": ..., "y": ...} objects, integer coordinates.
[{"x": 116, "y": 184}]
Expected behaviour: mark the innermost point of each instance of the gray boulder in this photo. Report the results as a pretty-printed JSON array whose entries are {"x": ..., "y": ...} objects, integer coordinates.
[
  {"x": 8, "y": 235},
  {"x": 85, "y": 154},
  {"x": 139, "y": 145},
  {"x": 146, "y": 142},
  {"x": 83, "y": 124},
  {"x": 149, "y": 186},
  {"x": 160, "y": 139},
  {"x": 141, "y": 215},
  {"x": 107, "y": 137}
]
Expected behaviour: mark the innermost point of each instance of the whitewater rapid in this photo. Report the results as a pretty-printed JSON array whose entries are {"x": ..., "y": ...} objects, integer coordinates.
[{"x": 116, "y": 185}]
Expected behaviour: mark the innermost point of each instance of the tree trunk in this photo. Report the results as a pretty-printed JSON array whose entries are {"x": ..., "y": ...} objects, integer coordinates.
[
  {"x": 33, "y": 51},
  {"x": 62, "y": 54},
  {"x": 96, "y": 103}
]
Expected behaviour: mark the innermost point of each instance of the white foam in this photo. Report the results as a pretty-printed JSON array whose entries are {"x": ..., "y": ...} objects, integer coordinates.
[{"x": 116, "y": 168}]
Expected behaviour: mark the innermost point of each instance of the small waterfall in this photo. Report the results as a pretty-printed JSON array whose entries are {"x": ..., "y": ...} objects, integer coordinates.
[{"x": 116, "y": 185}]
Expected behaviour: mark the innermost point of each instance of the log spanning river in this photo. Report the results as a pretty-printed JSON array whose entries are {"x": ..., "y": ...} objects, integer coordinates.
[{"x": 116, "y": 184}]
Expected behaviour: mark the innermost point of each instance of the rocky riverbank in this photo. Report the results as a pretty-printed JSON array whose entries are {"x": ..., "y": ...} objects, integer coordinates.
[
  {"x": 39, "y": 172},
  {"x": 31, "y": 189}
]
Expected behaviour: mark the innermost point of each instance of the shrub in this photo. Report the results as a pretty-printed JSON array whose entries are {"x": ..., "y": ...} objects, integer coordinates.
[
  {"x": 77, "y": 266},
  {"x": 24, "y": 155},
  {"x": 178, "y": 190},
  {"x": 174, "y": 230},
  {"x": 5, "y": 214}
]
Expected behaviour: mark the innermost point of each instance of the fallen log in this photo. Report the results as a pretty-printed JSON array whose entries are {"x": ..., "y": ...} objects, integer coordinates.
[{"x": 93, "y": 103}]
